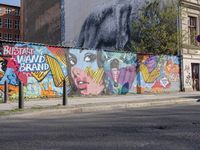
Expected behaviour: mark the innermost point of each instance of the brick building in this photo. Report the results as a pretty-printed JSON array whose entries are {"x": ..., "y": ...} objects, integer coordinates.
[{"x": 9, "y": 22}]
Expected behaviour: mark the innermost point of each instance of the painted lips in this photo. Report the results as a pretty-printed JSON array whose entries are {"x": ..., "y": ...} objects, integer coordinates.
[{"x": 82, "y": 85}]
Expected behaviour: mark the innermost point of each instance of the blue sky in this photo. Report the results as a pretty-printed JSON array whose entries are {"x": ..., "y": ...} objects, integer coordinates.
[{"x": 11, "y": 2}]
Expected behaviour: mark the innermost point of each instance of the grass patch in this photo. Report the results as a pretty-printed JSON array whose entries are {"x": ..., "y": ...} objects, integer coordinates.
[
  {"x": 32, "y": 109},
  {"x": 10, "y": 112}
]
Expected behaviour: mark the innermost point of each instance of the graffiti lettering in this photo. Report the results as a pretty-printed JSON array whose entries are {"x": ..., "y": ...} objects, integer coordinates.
[
  {"x": 188, "y": 80},
  {"x": 33, "y": 67},
  {"x": 31, "y": 59},
  {"x": 14, "y": 51},
  {"x": 32, "y": 63}
]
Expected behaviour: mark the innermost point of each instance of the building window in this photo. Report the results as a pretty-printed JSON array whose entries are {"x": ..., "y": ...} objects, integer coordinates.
[
  {"x": 9, "y": 36},
  {"x": 5, "y": 36},
  {"x": 8, "y": 10},
  {"x": 17, "y": 24},
  {"x": 1, "y": 23},
  {"x": 1, "y": 10},
  {"x": 17, "y": 37},
  {"x": 192, "y": 26},
  {"x": 17, "y": 12},
  {"x": 0, "y": 36},
  {"x": 8, "y": 23}
]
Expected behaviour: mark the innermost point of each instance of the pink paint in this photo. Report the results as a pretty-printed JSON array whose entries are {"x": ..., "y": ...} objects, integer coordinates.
[
  {"x": 84, "y": 82},
  {"x": 15, "y": 66}
]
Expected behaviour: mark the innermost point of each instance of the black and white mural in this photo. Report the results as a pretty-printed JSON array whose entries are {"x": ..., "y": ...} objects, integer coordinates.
[{"x": 100, "y": 24}]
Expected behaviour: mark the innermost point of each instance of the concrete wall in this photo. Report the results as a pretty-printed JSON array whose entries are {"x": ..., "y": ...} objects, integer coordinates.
[
  {"x": 42, "y": 70},
  {"x": 41, "y": 21}
]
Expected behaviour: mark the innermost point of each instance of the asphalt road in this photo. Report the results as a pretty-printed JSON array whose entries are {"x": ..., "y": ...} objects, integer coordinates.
[{"x": 169, "y": 128}]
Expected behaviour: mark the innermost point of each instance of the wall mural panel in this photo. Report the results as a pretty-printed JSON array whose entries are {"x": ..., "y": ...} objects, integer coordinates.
[
  {"x": 42, "y": 69},
  {"x": 120, "y": 71},
  {"x": 158, "y": 74},
  {"x": 85, "y": 71}
]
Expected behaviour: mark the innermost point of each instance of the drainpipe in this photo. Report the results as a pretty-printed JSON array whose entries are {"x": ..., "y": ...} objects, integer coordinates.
[{"x": 179, "y": 27}]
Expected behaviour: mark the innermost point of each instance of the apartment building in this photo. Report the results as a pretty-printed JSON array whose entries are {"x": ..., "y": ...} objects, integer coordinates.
[
  {"x": 190, "y": 48},
  {"x": 9, "y": 22}
]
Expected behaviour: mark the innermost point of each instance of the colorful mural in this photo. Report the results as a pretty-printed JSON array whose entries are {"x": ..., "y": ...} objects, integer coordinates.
[
  {"x": 85, "y": 72},
  {"x": 42, "y": 70},
  {"x": 158, "y": 74},
  {"x": 120, "y": 71}
]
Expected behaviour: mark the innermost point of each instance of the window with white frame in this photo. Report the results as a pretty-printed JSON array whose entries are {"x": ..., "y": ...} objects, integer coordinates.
[
  {"x": 9, "y": 36},
  {"x": 17, "y": 13},
  {"x": 16, "y": 23},
  {"x": 8, "y": 23},
  {"x": 1, "y": 10},
  {"x": 8, "y": 10},
  {"x": 5, "y": 36},
  {"x": 192, "y": 27},
  {"x": 1, "y": 23}
]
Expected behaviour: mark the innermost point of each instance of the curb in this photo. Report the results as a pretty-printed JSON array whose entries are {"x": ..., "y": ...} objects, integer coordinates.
[{"x": 94, "y": 107}]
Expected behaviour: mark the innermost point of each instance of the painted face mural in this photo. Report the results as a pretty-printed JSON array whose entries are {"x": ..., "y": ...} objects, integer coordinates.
[
  {"x": 85, "y": 72},
  {"x": 120, "y": 71}
]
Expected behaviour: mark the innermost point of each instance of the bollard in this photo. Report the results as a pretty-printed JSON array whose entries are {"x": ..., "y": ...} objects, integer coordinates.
[
  {"x": 21, "y": 96},
  {"x": 5, "y": 91},
  {"x": 64, "y": 93}
]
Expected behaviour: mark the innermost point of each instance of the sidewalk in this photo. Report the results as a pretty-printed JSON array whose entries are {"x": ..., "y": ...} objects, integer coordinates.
[{"x": 109, "y": 102}]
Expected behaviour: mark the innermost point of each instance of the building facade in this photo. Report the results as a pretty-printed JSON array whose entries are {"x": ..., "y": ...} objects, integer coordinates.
[
  {"x": 190, "y": 49},
  {"x": 9, "y": 22},
  {"x": 40, "y": 21}
]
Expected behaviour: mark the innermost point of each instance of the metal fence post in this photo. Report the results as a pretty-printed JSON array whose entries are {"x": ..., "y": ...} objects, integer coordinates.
[
  {"x": 21, "y": 96},
  {"x": 64, "y": 93},
  {"x": 5, "y": 91}
]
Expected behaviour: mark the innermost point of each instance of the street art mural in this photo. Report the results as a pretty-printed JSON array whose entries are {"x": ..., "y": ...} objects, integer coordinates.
[
  {"x": 86, "y": 73},
  {"x": 158, "y": 74},
  {"x": 120, "y": 71},
  {"x": 101, "y": 24},
  {"x": 42, "y": 70}
]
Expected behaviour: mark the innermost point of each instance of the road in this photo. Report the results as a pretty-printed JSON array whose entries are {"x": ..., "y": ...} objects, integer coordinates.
[{"x": 161, "y": 128}]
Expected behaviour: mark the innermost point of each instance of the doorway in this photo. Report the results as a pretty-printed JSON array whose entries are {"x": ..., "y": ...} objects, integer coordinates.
[{"x": 195, "y": 77}]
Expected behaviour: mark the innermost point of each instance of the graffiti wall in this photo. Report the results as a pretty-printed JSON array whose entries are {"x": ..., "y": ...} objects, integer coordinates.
[
  {"x": 42, "y": 70},
  {"x": 120, "y": 72},
  {"x": 158, "y": 74}
]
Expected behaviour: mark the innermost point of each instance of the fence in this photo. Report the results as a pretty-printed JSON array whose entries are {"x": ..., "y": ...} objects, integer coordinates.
[{"x": 42, "y": 70}]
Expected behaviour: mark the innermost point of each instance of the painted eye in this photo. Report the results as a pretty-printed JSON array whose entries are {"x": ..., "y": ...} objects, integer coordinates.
[
  {"x": 72, "y": 59},
  {"x": 72, "y": 62},
  {"x": 89, "y": 57}
]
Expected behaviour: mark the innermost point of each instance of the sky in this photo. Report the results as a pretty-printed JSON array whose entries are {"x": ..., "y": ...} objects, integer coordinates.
[{"x": 11, "y": 2}]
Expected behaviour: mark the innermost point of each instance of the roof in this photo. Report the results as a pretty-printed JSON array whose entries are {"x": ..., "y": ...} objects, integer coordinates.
[{"x": 8, "y": 5}]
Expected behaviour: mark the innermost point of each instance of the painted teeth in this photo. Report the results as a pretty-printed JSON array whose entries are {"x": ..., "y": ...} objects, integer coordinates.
[{"x": 80, "y": 82}]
